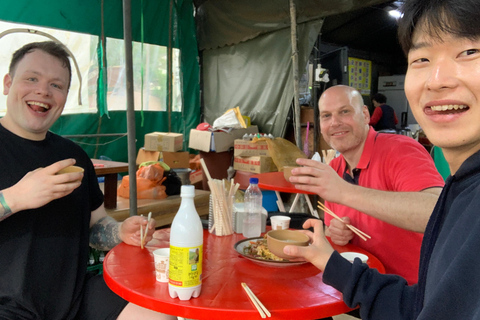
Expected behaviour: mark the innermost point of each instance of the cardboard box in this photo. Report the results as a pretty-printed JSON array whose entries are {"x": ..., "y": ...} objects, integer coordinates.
[
  {"x": 217, "y": 141},
  {"x": 144, "y": 156},
  {"x": 163, "y": 141},
  {"x": 255, "y": 164},
  {"x": 196, "y": 176},
  {"x": 244, "y": 148},
  {"x": 176, "y": 160}
]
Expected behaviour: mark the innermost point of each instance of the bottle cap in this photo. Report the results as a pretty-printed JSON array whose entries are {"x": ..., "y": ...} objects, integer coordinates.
[
  {"x": 187, "y": 191},
  {"x": 254, "y": 180}
]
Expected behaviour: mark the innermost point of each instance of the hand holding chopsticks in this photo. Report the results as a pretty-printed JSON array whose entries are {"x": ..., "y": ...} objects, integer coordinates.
[
  {"x": 260, "y": 307},
  {"x": 143, "y": 235},
  {"x": 357, "y": 231}
]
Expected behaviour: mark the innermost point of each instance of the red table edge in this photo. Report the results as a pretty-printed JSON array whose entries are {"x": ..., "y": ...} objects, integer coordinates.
[
  {"x": 286, "y": 187},
  {"x": 206, "y": 313}
]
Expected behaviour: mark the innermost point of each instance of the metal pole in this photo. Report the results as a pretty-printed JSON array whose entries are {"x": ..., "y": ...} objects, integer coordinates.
[
  {"x": 132, "y": 168},
  {"x": 296, "y": 113}
]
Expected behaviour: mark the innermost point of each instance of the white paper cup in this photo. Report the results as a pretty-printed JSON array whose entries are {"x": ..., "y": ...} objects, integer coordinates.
[
  {"x": 280, "y": 222},
  {"x": 161, "y": 257}
]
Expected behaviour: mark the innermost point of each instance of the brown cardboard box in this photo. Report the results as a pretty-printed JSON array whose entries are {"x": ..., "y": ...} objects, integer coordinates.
[
  {"x": 176, "y": 160},
  {"x": 245, "y": 148},
  {"x": 144, "y": 156},
  {"x": 217, "y": 141},
  {"x": 196, "y": 176},
  {"x": 255, "y": 164},
  {"x": 163, "y": 141}
]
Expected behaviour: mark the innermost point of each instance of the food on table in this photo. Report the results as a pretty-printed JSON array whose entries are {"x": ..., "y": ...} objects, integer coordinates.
[{"x": 259, "y": 249}]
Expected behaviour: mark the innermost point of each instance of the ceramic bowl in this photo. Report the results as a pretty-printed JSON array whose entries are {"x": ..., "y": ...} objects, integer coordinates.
[
  {"x": 278, "y": 239},
  {"x": 70, "y": 170},
  {"x": 350, "y": 256}
]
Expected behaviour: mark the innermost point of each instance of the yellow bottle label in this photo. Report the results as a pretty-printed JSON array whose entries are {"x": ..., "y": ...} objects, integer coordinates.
[{"x": 185, "y": 268}]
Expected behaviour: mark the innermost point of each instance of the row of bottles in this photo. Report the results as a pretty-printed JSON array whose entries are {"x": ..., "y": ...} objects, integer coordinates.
[{"x": 249, "y": 137}]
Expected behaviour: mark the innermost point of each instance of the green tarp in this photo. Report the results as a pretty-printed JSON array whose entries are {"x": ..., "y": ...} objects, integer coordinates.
[{"x": 85, "y": 16}]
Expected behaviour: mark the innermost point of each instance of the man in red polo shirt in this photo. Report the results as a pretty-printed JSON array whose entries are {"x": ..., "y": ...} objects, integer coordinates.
[{"x": 384, "y": 184}]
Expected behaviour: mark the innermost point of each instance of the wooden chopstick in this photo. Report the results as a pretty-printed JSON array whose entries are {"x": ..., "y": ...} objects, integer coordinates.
[
  {"x": 259, "y": 305},
  {"x": 357, "y": 231},
  {"x": 143, "y": 235}
]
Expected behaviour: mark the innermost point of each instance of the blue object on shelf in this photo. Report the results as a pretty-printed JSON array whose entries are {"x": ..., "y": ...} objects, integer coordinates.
[{"x": 269, "y": 200}]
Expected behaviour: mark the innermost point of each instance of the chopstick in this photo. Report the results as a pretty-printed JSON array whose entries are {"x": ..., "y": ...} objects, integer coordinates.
[
  {"x": 143, "y": 235},
  {"x": 260, "y": 307},
  {"x": 357, "y": 231}
]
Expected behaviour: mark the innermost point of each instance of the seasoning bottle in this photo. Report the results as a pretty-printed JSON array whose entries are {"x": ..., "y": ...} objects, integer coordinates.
[
  {"x": 252, "y": 223},
  {"x": 186, "y": 249}
]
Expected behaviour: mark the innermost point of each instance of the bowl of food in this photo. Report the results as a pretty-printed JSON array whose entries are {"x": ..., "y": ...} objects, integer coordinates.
[
  {"x": 287, "y": 171},
  {"x": 350, "y": 256},
  {"x": 278, "y": 239},
  {"x": 70, "y": 169}
]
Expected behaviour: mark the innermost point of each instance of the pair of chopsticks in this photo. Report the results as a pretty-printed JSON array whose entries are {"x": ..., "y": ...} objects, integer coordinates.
[
  {"x": 357, "y": 231},
  {"x": 260, "y": 307},
  {"x": 143, "y": 235}
]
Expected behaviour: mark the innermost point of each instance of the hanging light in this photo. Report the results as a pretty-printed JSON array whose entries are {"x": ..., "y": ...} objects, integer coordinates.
[{"x": 395, "y": 13}]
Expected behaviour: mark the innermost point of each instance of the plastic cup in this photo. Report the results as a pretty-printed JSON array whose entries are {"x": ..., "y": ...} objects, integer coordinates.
[
  {"x": 161, "y": 257},
  {"x": 280, "y": 222}
]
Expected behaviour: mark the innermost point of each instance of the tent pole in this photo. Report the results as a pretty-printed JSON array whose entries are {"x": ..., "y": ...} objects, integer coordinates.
[
  {"x": 132, "y": 168},
  {"x": 296, "y": 113}
]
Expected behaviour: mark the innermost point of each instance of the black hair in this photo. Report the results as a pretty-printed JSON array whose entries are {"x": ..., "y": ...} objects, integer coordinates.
[
  {"x": 380, "y": 98},
  {"x": 53, "y": 48},
  {"x": 460, "y": 18}
]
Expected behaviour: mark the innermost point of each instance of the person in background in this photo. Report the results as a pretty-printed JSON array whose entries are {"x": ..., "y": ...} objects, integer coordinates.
[
  {"x": 384, "y": 184},
  {"x": 47, "y": 221},
  {"x": 442, "y": 41},
  {"x": 383, "y": 117}
]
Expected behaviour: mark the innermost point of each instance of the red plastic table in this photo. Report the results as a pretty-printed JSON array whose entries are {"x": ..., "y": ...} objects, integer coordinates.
[
  {"x": 289, "y": 292},
  {"x": 276, "y": 181}
]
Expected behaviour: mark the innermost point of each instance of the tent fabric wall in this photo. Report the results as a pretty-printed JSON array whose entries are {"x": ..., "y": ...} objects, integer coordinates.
[
  {"x": 221, "y": 23},
  {"x": 85, "y": 16},
  {"x": 257, "y": 76}
]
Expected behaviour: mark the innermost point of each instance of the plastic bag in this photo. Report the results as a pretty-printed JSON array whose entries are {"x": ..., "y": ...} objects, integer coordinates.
[
  {"x": 232, "y": 118},
  {"x": 149, "y": 183}
]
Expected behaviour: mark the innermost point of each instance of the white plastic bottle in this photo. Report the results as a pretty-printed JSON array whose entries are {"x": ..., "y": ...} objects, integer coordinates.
[
  {"x": 252, "y": 223},
  {"x": 186, "y": 249}
]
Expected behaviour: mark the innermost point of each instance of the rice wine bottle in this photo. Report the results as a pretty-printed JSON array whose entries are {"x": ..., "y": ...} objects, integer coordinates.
[{"x": 186, "y": 249}]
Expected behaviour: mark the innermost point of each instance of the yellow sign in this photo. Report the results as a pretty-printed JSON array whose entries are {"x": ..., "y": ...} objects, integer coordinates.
[{"x": 360, "y": 74}]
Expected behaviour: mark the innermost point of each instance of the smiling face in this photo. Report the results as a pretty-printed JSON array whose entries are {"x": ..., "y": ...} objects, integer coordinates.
[
  {"x": 443, "y": 88},
  {"x": 344, "y": 120},
  {"x": 37, "y": 91}
]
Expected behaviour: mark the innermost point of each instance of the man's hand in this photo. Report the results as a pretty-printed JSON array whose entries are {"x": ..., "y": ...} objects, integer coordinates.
[
  {"x": 130, "y": 230},
  {"x": 320, "y": 178},
  {"x": 319, "y": 251},
  {"x": 339, "y": 233},
  {"x": 39, "y": 187}
]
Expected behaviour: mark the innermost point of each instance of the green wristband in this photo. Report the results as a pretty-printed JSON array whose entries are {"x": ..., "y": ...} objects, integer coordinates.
[{"x": 6, "y": 208}]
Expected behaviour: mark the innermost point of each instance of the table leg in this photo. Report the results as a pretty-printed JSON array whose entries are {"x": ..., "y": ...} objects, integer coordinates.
[
  {"x": 280, "y": 205},
  {"x": 294, "y": 204},
  {"x": 309, "y": 203},
  {"x": 110, "y": 191}
]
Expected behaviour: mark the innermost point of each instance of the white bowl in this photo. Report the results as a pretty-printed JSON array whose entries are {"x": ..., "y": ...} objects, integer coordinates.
[{"x": 350, "y": 256}]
